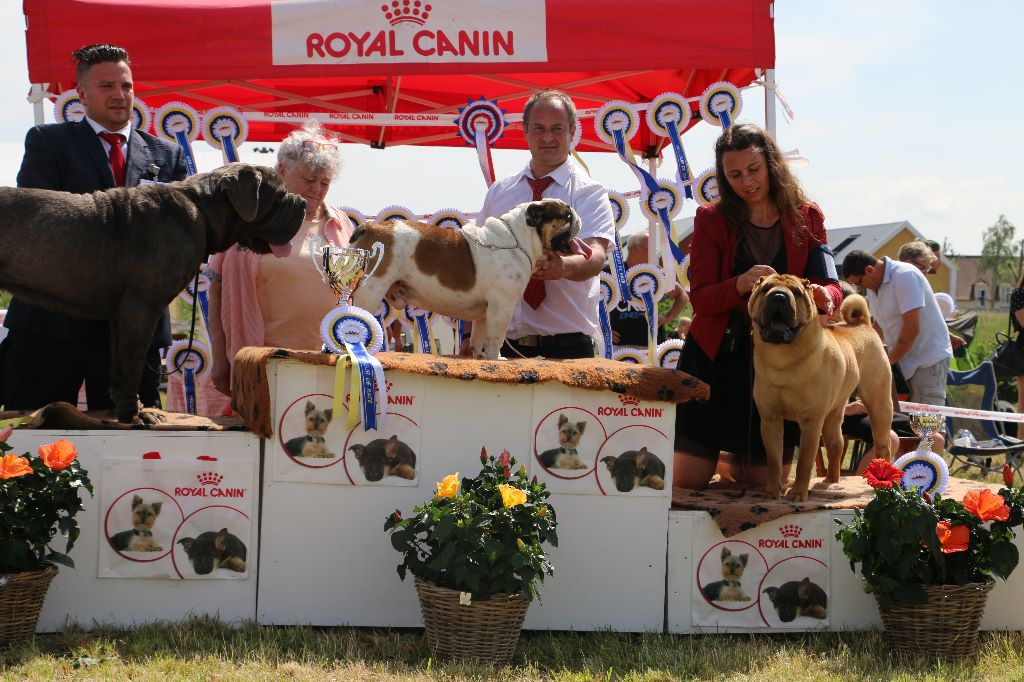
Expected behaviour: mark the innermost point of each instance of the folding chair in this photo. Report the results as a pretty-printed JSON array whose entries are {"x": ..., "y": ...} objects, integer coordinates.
[
  {"x": 965, "y": 326},
  {"x": 976, "y": 389}
]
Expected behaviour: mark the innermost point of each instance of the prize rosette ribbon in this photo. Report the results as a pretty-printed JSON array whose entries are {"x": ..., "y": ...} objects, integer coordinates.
[
  {"x": 420, "y": 320},
  {"x": 620, "y": 212},
  {"x": 178, "y": 122},
  {"x": 449, "y": 219},
  {"x": 355, "y": 216},
  {"x": 196, "y": 292},
  {"x": 480, "y": 123},
  {"x": 705, "y": 187},
  {"x": 386, "y": 314},
  {"x": 142, "y": 115},
  {"x": 68, "y": 107},
  {"x": 225, "y": 128},
  {"x": 668, "y": 114},
  {"x": 393, "y": 212},
  {"x": 923, "y": 470},
  {"x": 616, "y": 123},
  {"x": 661, "y": 206},
  {"x": 647, "y": 284},
  {"x": 355, "y": 336},
  {"x": 667, "y": 354},
  {"x": 636, "y": 356},
  {"x": 193, "y": 361},
  {"x": 609, "y": 301},
  {"x": 721, "y": 104}
]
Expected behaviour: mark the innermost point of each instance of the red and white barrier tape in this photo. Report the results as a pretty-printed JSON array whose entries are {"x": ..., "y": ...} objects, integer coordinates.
[{"x": 911, "y": 408}]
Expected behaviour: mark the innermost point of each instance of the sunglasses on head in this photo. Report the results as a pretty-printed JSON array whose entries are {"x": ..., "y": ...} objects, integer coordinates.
[{"x": 313, "y": 146}]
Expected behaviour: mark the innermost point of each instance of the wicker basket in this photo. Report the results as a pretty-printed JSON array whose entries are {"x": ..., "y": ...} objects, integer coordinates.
[
  {"x": 21, "y": 600},
  {"x": 946, "y": 625},
  {"x": 486, "y": 630}
]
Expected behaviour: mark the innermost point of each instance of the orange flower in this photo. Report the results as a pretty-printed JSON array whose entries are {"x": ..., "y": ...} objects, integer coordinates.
[
  {"x": 986, "y": 505},
  {"x": 881, "y": 474},
  {"x": 58, "y": 455},
  {"x": 13, "y": 466},
  {"x": 952, "y": 538}
]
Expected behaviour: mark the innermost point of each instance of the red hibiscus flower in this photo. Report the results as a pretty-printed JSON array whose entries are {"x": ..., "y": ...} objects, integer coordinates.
[
  {"x": 13, "y": 466},
  {"x": 986, "y": 505},
  {"x": 1007, "y": 475},
  {"x": 58, "y": 455},
  {"x": 881, "y": 474},
  {"x": 952, "y": 538}
]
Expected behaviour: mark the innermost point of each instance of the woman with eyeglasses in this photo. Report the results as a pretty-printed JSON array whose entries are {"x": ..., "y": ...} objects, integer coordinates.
[
  {"x": 261, "y": 300},
  {"x": 762, "y": 223}
]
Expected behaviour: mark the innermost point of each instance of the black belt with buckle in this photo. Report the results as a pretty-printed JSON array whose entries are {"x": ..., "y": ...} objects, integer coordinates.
[{"x": 551, "y": 341}]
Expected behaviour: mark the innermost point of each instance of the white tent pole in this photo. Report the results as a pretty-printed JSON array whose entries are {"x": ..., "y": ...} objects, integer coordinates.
[
  {"x": 769, "y": 103},
  {"x": 37, "y": 103}
]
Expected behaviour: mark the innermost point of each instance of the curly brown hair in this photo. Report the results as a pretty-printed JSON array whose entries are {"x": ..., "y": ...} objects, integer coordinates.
[{"x": 785, "y": 190}]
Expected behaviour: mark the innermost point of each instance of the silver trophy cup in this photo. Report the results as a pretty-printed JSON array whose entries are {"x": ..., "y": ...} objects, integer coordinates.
[{"x": 341, "y": 268}]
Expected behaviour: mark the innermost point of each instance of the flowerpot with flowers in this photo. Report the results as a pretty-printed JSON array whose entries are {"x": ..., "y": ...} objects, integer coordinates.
[
  {"x": 930, "y": 561},
  {"x": 38, "y": 500},
  {"x": 477, "y": 553}
]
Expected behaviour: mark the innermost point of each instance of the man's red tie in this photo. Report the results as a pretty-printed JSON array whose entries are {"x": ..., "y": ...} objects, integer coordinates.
[
  {"x": 535, "y": 291},
  {"x": 116, "y": 155}
]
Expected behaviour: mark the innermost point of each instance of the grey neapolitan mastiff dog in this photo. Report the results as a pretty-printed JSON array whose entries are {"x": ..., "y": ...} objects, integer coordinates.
[{"x": 123, "y": 254}]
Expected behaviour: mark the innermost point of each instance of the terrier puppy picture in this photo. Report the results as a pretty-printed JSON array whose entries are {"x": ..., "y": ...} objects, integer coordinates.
[
  {"x": 565, "y": 456},
  {"x": 728, "y": 588},
  {"x": 313, "y": 444},
  {"x": 140, "y": 537}
]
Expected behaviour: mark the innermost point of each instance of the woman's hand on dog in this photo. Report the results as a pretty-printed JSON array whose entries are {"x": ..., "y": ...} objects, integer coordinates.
[
  {"x": 745, "y": 282},
  {"x": 821, "y": 298}
]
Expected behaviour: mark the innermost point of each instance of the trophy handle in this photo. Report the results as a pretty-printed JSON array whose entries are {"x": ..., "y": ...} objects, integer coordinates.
[{"x": 376, "y": 252}]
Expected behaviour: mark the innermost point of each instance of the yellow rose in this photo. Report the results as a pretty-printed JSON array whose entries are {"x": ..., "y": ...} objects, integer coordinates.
[
  {"x": 522, "y": 469},
  {"x": 510, "y": 496},
  {"x": 542, "y": 512},
  {"x": 520, "y": 544},
  {"x": 449, "y": 487}
]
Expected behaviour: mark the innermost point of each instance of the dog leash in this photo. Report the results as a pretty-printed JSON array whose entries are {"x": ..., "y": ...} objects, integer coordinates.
[{"x": 191, "y": 333}]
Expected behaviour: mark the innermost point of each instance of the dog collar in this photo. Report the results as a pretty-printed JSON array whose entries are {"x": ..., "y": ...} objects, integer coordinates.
[
  {"x": 143, "y": 533},
  {"x": 318, "y": 439},
  {"x": 731, "y": 583},
  {"x": 494, "y": 247}
]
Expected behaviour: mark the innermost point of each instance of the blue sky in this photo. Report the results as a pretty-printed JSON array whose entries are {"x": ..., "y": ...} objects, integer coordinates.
[{"x": 901, "y": 108}]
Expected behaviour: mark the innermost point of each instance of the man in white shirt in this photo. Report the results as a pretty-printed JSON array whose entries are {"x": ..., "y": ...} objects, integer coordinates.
[
  {"x": 908, "y": 318},
  {"x": 558, "y": 316}
]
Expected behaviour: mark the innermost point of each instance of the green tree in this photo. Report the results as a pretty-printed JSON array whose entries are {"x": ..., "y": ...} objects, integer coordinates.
[{"x": 1000, "y": 255}]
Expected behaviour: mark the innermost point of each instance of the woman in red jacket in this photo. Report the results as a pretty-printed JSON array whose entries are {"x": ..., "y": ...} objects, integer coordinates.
[{"x": 762, "y": 223}]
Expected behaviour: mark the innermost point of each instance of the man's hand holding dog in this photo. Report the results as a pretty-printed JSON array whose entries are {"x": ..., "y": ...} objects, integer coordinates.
[{"x": 576, "y": 267}]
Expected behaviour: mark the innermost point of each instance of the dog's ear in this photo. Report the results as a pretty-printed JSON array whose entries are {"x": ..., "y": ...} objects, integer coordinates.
[
  {"x": 575, "y": 223},
  {"x": 743, "y": 559},
  {"x": 329, "y": 413},
  {"x": 136, "y": 501},
  {"x": 562, "y": 419},
  {"x": 535, "y": 214},
  {"x": 157, "y": 506},
  {"x": 242, "y": 186},
  {"x": 221, "y": 541},
  {"x": 391, "y": 447},
  {"x": 358, "y": 449},
  {"x": 310, "y": 407},
  {"x": 186, "y": 543},
  {"x": 581, "y": 426},
  {"x": 725, "y": 553},
  {"x": 609, "y": 462},
  {"x": 641, "y": 459}
]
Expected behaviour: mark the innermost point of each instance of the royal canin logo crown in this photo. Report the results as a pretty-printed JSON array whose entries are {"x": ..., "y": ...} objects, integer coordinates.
[
  {"x": 406, "y": 11},
  {"x": 791, "y": 530},
  {"x": 628, "y": 399},
  {"x": 209, "y": 478}
]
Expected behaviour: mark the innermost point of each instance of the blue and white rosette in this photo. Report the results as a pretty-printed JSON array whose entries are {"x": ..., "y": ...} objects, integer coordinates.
[
  {"x": 196, "y": 292},
  {"x": 386, "y": 314},
  {"x": 225, "y": 128},
  {"x": 705, "y": 187},
  {"x": 668, "y": 114},
  {"x": 354, "y": 333},
  {"x": 662, "y": 205},
  {"x": 393, "y": 212},
  {"x": 721, "y": 104},
  {"x": 178, "y": 122},
  {"x": 667, "y": 354},
  {"x": 142, "y": 115},
  {"x": 647, "y": 284},
  {"x": 480, "y": 123},
  {"x": 193, "y": 361},
  {"x": 355, "y": 216},
  {"x": 68, "y": 107},
  {"x": 637, "y": 356},
  {"x": 609, "y": 301},
  {"x": 448, "y": 218},
  {"x": 620, "y": 212},
  {"x": 615, "y": 123},
  {"x": 923, "y": 470},
  {"x": 420, "y": 319}
]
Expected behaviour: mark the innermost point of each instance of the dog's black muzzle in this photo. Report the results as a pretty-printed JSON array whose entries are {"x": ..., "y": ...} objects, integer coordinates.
[{"x": 778, "y": 322}]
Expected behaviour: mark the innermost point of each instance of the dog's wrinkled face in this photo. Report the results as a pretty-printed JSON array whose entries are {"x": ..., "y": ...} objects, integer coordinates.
[
  {"x": 780, "y": 306},
  {"x": 555, "y": 222}
]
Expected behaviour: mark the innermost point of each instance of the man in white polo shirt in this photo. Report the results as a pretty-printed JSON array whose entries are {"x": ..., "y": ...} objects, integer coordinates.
[
  {"x": 558, "y": 316},
  {"x": 908, "y": 318}
]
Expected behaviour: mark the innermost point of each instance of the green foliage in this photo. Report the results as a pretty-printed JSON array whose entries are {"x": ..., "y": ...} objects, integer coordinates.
[
  {"x": 894, "y": 539},
  {"x": 5, "y": 299},
  {"x": 471, "y": 541},
  {"x": 1000, "y": 254},
  {"x": 34, "y": 508}
]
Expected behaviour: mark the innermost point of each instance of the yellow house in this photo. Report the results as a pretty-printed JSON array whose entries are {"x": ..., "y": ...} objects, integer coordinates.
[{"x": 885, "y": 240}]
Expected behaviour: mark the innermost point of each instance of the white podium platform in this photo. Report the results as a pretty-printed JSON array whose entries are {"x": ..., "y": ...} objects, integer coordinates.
[{"x": 79, "y": 596}]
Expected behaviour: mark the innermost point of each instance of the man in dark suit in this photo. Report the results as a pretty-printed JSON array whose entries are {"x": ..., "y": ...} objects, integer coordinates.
[{"x": 46, "y": 356}]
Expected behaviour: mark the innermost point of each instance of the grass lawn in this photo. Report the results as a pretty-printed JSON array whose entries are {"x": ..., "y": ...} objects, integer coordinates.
[{"x": 206, "y": 650}]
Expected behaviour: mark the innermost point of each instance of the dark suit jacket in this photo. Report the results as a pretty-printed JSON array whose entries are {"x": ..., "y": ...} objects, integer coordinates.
[{"x": 70, "y": 157}]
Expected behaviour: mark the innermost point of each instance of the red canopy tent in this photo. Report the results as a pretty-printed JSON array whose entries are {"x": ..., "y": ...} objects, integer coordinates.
[{"x": 378, "y": 66}]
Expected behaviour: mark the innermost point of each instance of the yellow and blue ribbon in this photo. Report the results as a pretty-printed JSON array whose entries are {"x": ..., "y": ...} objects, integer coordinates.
[
  {"x": 721, "y": 104},
  {"x": 355, "y": 336},
  {"x": 609, "y": 301},
  {"x": 225, "y": 128},
  {"x": 193, "y": 359},
  {"x": 178, "y": 122},
  {"x": 668, "y": 114},
  {"x": 646, "y": 284}
]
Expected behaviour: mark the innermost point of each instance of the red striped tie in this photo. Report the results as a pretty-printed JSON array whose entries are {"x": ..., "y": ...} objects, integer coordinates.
[
  {"x": 535, "y": 290},
  {"x": 116, "y": 155}
]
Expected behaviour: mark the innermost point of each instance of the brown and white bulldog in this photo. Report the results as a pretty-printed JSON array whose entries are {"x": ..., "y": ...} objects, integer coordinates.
[
  {"x": 477, "y": 273},
  {"x": 806, "y": 373}
]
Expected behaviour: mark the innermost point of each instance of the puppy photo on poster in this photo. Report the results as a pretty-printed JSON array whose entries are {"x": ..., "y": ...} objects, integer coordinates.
[
  {"x": 386, "y": 456},
  {"x": 632, "y": 462},
  {"x": 565, "y": 443}
]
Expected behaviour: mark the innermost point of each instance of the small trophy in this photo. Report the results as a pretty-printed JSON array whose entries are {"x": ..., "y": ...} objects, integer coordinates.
[
  {"x": 924, "y": 425},
  {"x": 342, "y": 267}
]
